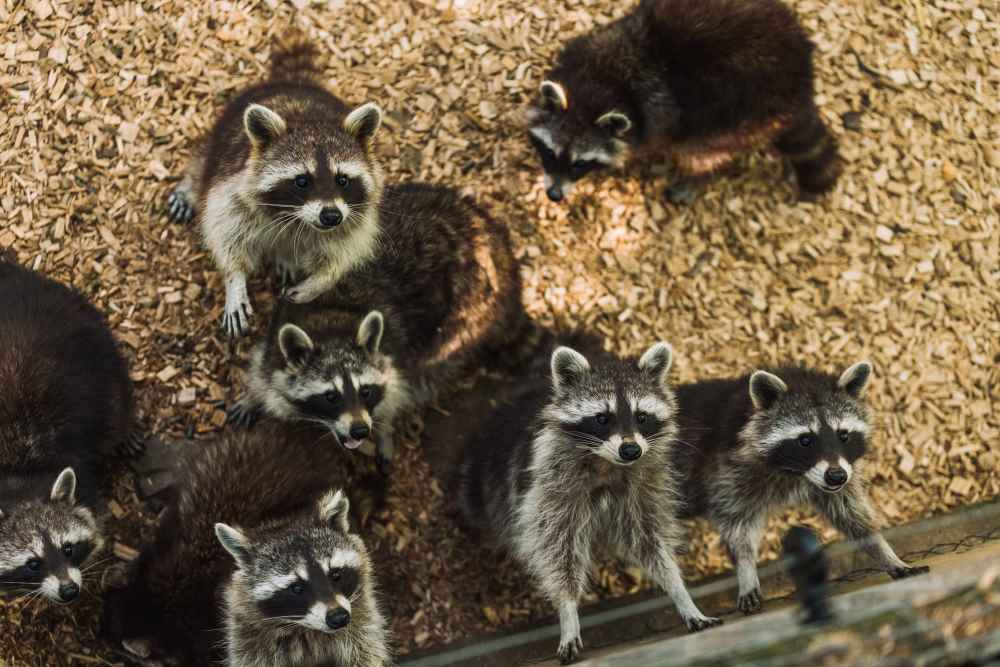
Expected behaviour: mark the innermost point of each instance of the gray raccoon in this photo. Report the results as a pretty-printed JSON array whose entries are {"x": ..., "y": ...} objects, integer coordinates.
[
  {"x": 63, "y": 414},
  {"x": 286, "y": 175},
  {"x": 792, "y": 436},
  {"x": 441, "y": 294},
  {"x": 580, "y": 462}
]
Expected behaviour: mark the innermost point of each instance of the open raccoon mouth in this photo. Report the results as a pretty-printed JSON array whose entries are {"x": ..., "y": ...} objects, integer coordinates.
[{"x": 351, "y": 443}]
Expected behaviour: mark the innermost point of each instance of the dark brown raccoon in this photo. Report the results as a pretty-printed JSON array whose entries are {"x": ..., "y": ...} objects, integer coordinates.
[{"x": 702, "y": 79}]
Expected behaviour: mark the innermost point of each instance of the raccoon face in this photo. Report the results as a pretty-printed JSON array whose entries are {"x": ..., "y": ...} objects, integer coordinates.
[
  {"x": 44, "y": 544},
  {"x": 616, "y": 411},
  {"x": 338, "y": 384},
  {"x": 317, "y": 174},
  {"x": 308, "y": 574},
  {"x": 814, "y": 429},
  {"x": 574, "y": 140}
]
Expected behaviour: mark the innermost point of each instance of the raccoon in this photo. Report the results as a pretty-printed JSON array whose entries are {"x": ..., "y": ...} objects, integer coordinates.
[
  {"x": 796, "y": 436},
  {"x": 442, "y": 291},
  {"x": 576, "y": 462},
  {"x": 63, "y": 414},
  {"x": 703, "y": 80},
  {"x": 290, "y": 555},
  {"x": 287, "y": 175}
]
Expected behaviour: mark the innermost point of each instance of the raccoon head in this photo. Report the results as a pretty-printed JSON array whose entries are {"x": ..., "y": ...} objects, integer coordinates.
[
  {"x": 813, "y": 425},
  {"x": 618, "y": 410},
  {"x": 308, "y": 573},
  {"x": 44, "y": 543},
  {"x": 337, "y": 383},
  {"x": 575, "y": 138},
  {"x": 318, "y": 173}
]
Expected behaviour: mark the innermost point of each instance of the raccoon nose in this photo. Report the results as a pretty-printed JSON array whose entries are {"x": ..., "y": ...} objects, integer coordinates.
[
  {"x": 835, "y": 476},
  {"x": 337, "y": 618},
  {"x": 68, "y": 592},
  {"x": 555, "y": 193},
  {"x": 330, "y": 217},
  {"x": 630, "y": 451},
  {"x": 360, "y": 431}
]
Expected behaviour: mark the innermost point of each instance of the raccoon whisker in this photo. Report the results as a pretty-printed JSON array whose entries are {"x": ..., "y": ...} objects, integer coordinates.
[
  {"x": 99, "y": 561},
  {"x": 260, "y": 203}
]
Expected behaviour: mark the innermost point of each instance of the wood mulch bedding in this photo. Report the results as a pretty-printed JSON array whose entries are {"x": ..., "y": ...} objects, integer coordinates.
[{"x": 102, "y": 100}]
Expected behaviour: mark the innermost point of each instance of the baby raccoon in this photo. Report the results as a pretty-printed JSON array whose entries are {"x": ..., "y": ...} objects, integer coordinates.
[
  {"x": 442, "y": 290},
  {"x": 287, "y": 175},
  {"x": 295, "y": 588},
  {"x": 62, "y": 411},
  {"x": 578, "y": 464},
  {"x": 797, "y": 436},
  {"x": 703, "y": 80}
]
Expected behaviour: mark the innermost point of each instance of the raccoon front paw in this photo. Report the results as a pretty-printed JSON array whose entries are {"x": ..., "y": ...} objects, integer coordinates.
[
  {"x": 569, "y": 651},
  {"x": 298, "y": 294},
  {"x": 133, "y": 446},
  {"x": 682, "y": 193},
  {"x": 285, "y": 274},
  {"x": 243, "y": 414},
  {"x": 236, "y": 320},
  {"x": 180, "y": 208},
  {"x": 749, "y": 603},
  {"x": 699, "y": 623},
  {"x": 908, "y": 571},
  {"x": 383, "y": 463}
]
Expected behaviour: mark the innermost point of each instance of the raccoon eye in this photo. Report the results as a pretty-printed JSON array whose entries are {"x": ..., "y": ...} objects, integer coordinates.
[
  {"x": 332, "y": 396},
  {"x": 342, "y": 181},
  {"x": 35, "y": 564},
  {"x": 640, "y": 417},
  {"x": 602, "y": 419},
  {"x": 366, "y": 392},
  {"x": 806, "y": 439},
  {"x": 844, "y": 435},
  {"x": 302, "y": 181},
  {"x": 335, "y": 574},
  {"x": 297, "y": 588},
  {"x": 68, "y": 550},
  {"x": 582, "y": 166}
]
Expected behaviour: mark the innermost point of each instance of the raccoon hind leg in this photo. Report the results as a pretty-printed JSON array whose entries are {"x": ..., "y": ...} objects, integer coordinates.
[{"x": 812, "y": 150}]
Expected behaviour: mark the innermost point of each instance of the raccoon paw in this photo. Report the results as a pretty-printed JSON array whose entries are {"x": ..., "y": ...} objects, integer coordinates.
[
  {"x": 699, "y": 623},
  {"x": 749, "y": 603},
  {"x": 298, "y": 294},
  {"x": 243, "y": 414},
  {"x": 180, "y": 208},
  {"x": 908, "y": 571},
  {"x": 236, "y": 319},
  {"x": 133, "y": 446},
  {"x": 383, "y": 463},
  {"x": 682, "y": 193},
  {"x": 569, "y": 651},
  {"x": 285, "y": 274}
]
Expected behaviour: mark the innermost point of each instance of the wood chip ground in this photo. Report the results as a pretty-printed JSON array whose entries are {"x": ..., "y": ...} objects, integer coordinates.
[{"x": 102, "y": 100}]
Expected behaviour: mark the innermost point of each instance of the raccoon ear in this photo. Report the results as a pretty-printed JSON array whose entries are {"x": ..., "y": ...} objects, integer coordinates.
[
  {"x": 553, "y": 96},
  {"x": 614, "y": 122},
  {"x": 295, "y": 344},
  {"x": 64, "y": 490},
  {"x": 855, "y": 379},
  {"x": 765, "y": 389},
  {"x": 235, "y": 542},
  {"x": 370, "y": 332},
  {"x": 262, "y": 125},
  {"x": 657, "y": 361},
  {"x": 568, "y": 366},
  {"x": 333, "y": 509},
  {"x": 363, "y": 122}
]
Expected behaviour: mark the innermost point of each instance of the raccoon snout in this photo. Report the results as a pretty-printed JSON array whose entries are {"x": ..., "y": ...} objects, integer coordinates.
[
  {"x": 337, "y": 618},
  {"x": 330, "y": 216},
  {"x": 554, "y": 193},
  {"x": 835, "y": 477},
  {"x": 630, "y": 451},
  {"x": 68, "y": 591},
  {"x": 360, "y": 431}
]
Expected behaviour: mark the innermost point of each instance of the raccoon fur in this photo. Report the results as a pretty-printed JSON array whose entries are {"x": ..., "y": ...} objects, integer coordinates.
[
  {"x": 787, "y": 436},
  {"x": 442, "y": 291},
  {"x": 579, "y": 462},
  {"x": 269, "y": 497},
  {"x": 65, "y": 408},
  {"x": 702, "y": 80},
  {"x": 287, "y": 175}
]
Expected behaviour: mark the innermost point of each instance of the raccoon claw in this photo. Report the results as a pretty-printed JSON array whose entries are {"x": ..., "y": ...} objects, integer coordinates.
[
  {"x": 236, "y": 322},
  {"x": 749, "y": 603},
  {"x": 570, "y": 651},
  {"x": 285, "y": 275},
  {"x": 243, "y": 414},
  {"x": 904, "y": 572},
  {"x": 133, "y": 446},
  {"x": 697, "y": 624},
  {"x": 179, "y": 207}
]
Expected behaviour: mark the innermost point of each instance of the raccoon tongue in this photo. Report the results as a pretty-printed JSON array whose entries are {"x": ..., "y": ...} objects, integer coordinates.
[{"x": 351, "y": 443}]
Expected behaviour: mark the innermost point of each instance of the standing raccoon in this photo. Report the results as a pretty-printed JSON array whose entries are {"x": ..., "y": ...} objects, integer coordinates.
[
  {"x": 797, "y": 436},
  {"x": 295, "y": 588},
  {"x": 62, "y": 412},
  {"x": 287, "y": 175},
  {"x": 442, "y": 290},
  {"x": 578, "y": 464},
  {"x": 703, "y": 80}
]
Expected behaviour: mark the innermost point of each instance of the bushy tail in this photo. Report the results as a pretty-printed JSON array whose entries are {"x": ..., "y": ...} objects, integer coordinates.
[
  {"x": 293, "y": 56},
  {"x": 812, "y": 150}
]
